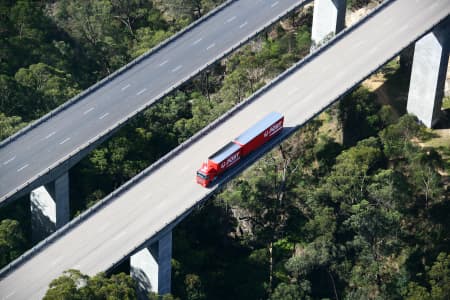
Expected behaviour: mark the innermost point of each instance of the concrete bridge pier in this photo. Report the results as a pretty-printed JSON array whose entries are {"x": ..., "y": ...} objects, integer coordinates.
[
  {"x": 428, "y": 74},
  {"x": 49, "y": 207},
  {"x": 151, "y": 267},
  {"x": 328, "y": 19}
]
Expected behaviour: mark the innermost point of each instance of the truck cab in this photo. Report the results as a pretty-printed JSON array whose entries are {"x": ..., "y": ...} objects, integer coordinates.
[{"x": 206, "y": 174}]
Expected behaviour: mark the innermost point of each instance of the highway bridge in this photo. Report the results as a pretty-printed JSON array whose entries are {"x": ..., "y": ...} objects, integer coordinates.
[
  {"x": 48, "y": 148},
  {"x": 149, "y": 206}
]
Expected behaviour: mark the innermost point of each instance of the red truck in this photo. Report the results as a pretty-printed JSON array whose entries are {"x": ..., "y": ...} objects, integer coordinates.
[{"x": 243, "y": 145}]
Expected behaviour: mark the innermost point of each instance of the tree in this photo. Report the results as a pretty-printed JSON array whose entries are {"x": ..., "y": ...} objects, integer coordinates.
[
  {"x": 396, "y": 138},
  {"x": 288, "y": 292},
  {"x": 9, "y": 125},
  {"x": 50, "y": 87},
  {"x": 349, "y": 178},
  {"x": 12, "y": 241},
  {"x": 69, "y": 286},
  {"x": 194, "y": 289},
  {"x": 358, "y": 115},
  {"x": 438, "y": 281},
  {"x": 75, "y": 285},
  {"x": 184, "y": 11}
]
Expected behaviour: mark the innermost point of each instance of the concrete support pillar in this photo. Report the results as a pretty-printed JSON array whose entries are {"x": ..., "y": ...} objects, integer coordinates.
[
  {"x": 328, "y": 19},
  {"x": 151, "y": 267},
  {"x": 428, "y": 75},
  {"x": 49, "y": 207}
]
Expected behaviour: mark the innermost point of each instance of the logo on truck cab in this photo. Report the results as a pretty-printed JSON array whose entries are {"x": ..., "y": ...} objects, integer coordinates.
[{"x": 230, "y": 160}]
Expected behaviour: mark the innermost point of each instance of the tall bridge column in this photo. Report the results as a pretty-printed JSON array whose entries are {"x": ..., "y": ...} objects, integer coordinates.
[
  {"x": 151, "y": 267},
  {"x": 428, "y": 74},
  {"x": 49, "y": 207},
  {"x": 328, "y": 19}
]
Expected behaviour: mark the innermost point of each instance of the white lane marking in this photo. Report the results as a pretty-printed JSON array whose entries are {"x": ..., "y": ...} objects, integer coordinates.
[
  {"x": 77, "y": 267},
  {"x": 243, "y": 24},
  {"x": 231, "y": 19},
  {"x": 10, "y": 295},
  {"x": 140, "y": 92},
  {"x": 102, "y": 116},
  {"x": 23, "y": 167},
  {"x": 55, "y": 261},
  {"x": 89, "y": 110},
  {"x": 163, "y": 63},
  {"x": 9, "y": 160},
  {"x": 50, "y": 135},
  {"x": 103, "y": 227},
  {"x": 125, "y": 87},
  {"x": 64, "y": 141},
  {"x": 357, "y": 44},
  {"x": 197, "y": 41},
  {"x": 373, "y": 51},
  {"x": 211, "y": 46},
  {"x": 404, "y": 27},
  {"x": 292, "y": 92},
  {"x": 177, "y": 68},
  {"x": 274, "y": 4},
  {"x": 121, "y": 234}
]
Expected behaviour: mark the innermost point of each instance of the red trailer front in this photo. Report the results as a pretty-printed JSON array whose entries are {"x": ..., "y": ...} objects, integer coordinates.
[{"x": 260, "y": 133}]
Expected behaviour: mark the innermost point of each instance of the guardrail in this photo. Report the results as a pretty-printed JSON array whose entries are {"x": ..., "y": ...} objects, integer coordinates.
[
  {"x": 130, "y": 184},
  {"x": 168, "y": 91}
]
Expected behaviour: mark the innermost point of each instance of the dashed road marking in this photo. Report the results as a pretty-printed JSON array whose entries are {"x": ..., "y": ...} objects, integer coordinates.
[
  {"x": 91, "y": 109},
  {"x": 9, "y": 160},
  {"x": 140, "y": 92},
  {"x": 10, "y": 295},
  {"x": 118, "y": 236},
  {"x": 197, "y": 41},
  {"x": 56, "y": 261},
  {"x": 177, "y": 68},
  {"x": 102, "y": 116},
  {"x": 243, "y": 24},
  {"x": 103, "y": 227},
  {"x": 404, "y": 27},
  {"x": 23, "y": 167},
  {"x": 65, "y": 141},
  {"x": 231, "y": 19},
  {"x": 163, "y": 63},
  {"x": 211, "y": 46},
  {"x": 274, "y": 4},
  {"x": 291, "y": 92},
  {"x": 49, "y": 135},
  {"x": 125, "y": 87}
]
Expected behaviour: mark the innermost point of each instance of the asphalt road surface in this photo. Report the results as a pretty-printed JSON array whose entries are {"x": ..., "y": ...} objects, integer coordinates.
[
  {"x": 125, "y": 223},
  {"x": 30, "y": 155}
]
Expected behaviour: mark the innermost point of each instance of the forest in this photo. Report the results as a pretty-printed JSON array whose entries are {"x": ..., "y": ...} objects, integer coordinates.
[{"x": 354, "y": 205}]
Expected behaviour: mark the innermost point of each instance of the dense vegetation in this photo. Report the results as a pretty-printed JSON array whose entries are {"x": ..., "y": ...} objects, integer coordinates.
[{"x": 356, "y": 212}]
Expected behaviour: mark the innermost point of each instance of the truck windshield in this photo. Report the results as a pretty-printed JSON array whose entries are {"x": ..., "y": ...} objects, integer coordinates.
[{"x": 201, "y": 175}]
